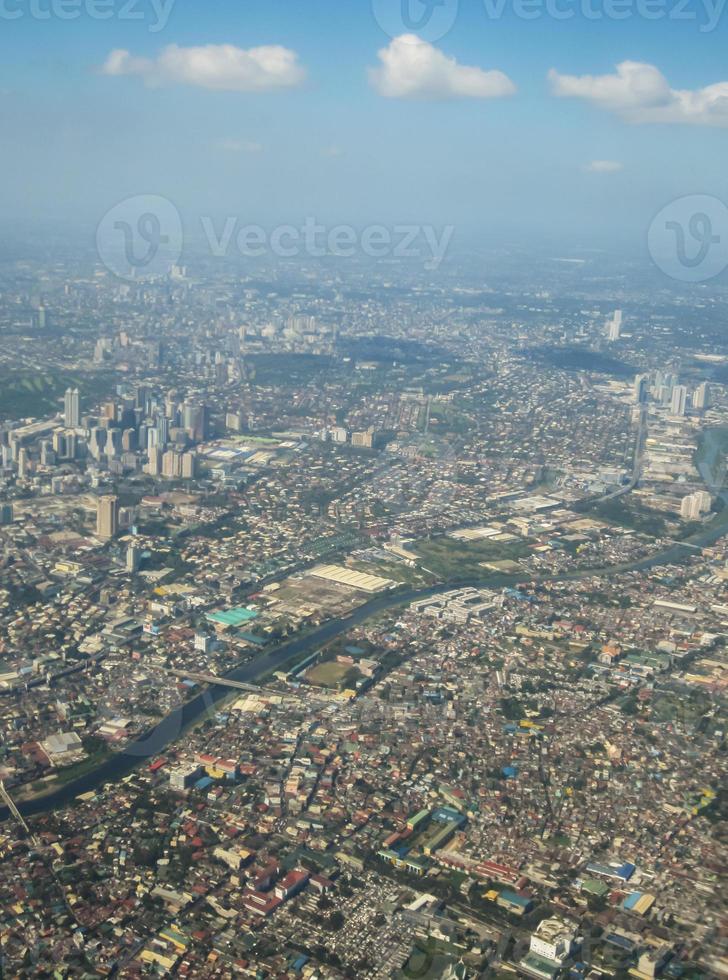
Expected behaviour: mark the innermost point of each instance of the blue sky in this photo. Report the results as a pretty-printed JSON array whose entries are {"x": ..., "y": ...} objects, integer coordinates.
[{"x": 579, "y": 154}]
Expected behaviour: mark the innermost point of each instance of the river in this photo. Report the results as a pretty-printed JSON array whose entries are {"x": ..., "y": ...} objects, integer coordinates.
[{"x": 170, "y": 728}]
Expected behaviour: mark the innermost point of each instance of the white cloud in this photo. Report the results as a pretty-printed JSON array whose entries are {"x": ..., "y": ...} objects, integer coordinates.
[
  {"x": 413, "y": 68},
  {"x": 604, "y": 167},
  {"x": 222, "y": 67},
  {"x": 239, "y": 146},
  {"x": 332, "y": 152},
  {"x": 640, "y": 93}
]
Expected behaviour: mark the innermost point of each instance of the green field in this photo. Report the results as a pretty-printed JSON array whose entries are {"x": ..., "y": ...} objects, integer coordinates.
[
  {"x": 451, "y": 559},
  {"x": 398, "y": 571},
  {"x": 627, "y": 514},
  {"x": 329, "y": 674}
]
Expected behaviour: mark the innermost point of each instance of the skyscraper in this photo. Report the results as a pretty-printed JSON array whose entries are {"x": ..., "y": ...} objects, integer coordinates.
[
  {"x": 162, "y": 431},
  {"x": 133, "y": 555},
  {"x": 47, "y": 453},
  {"x": 695, "y": 505},
  {"x": 72, "y": 408},
  {"x": 189, "y": 466},
  {"x": 701, "y": 397},
  {"x": 195, "y": 420},
  {"x": 154, "y": 467},
  {"x": 614, "y": 326},
  {"x": 679, "y": 401},
  {"x": 171, "y": 466},
  {"x": 107, "y": 517},
  {"x": 640, "y": 389}
]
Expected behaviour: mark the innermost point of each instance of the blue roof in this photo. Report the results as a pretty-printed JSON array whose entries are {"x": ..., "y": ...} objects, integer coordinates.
[
  {"x": 448, "y": 814},
  {"x": 514, "y": 898},
  {"x": 616, "y": 939},
  {"x": 252, "y": 638},
  {"x": 623, "y": 871}
]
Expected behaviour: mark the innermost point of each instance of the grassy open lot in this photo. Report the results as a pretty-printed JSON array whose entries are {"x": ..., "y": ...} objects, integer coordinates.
[
  {"x": 328, "y": 674},
  {"x": 451, "y": 559},
  {"x": 627, "y": 513},
  {"x": 396, "y": 570}
]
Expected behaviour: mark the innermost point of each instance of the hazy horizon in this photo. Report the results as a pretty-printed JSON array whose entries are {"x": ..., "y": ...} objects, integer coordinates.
[{"x": 495, "y": 123}]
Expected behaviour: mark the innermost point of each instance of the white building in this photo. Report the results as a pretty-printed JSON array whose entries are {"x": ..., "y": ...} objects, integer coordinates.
[
  {"x": 695, "y": 505},
  {"x": 62, "y": 748},
  {"x": 71, "y": 408},
  {"x": 679, "y": 400},
  {"x": 184, "y": 776},
  {"x": 614, "y": 326},
  {"x": 701, "y": 396},
  {"x": 554, "y": 940}
]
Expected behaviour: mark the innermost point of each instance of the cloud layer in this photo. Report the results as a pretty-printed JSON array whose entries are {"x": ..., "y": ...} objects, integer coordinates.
[
  {"x": 239, "y": 146},
  {"x": 640, "y": 93},
  {"x": 411, "y": 68},
  {"x": 222, "y": 67},
  {"x": 604, "y": 167}
]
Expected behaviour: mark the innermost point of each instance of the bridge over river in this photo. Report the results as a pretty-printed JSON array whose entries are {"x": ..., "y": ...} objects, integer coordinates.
[{"x": 154, "y": 741}]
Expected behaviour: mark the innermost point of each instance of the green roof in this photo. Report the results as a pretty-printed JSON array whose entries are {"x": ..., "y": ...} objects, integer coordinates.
[
  {"x": 417, "y": 818},
  {"x": 232, "y": 617},
  {"x": 539, "y": 965},
  {"x": 592, "y": 886}
]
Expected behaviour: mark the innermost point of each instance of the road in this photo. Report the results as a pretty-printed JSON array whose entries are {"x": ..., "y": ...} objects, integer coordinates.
[
  {"x": 170, "y": 728},
  {"x": 639, "y": 449}
]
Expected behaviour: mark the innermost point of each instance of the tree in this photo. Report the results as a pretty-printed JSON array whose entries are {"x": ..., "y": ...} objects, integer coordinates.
[{"x": 335, "y": 921}]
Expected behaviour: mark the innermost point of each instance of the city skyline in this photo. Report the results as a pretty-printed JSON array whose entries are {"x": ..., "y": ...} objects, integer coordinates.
[{"x": 363, "y": 489}]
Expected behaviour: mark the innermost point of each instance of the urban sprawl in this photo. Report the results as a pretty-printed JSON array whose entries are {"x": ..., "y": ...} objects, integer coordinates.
[{"x": 362, "y": 622}]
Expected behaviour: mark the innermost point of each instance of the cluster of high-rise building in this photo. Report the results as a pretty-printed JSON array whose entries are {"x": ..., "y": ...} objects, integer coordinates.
[
  {"x": 696, "y": 505},
  {"x": 134, "y": 432},
  {"x": 339, "y": 434},
  {"x": 666, "y": 390}
]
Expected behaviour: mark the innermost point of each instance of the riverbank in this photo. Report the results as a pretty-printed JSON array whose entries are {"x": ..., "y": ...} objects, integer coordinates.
[{"x": 170, "y": 728}]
